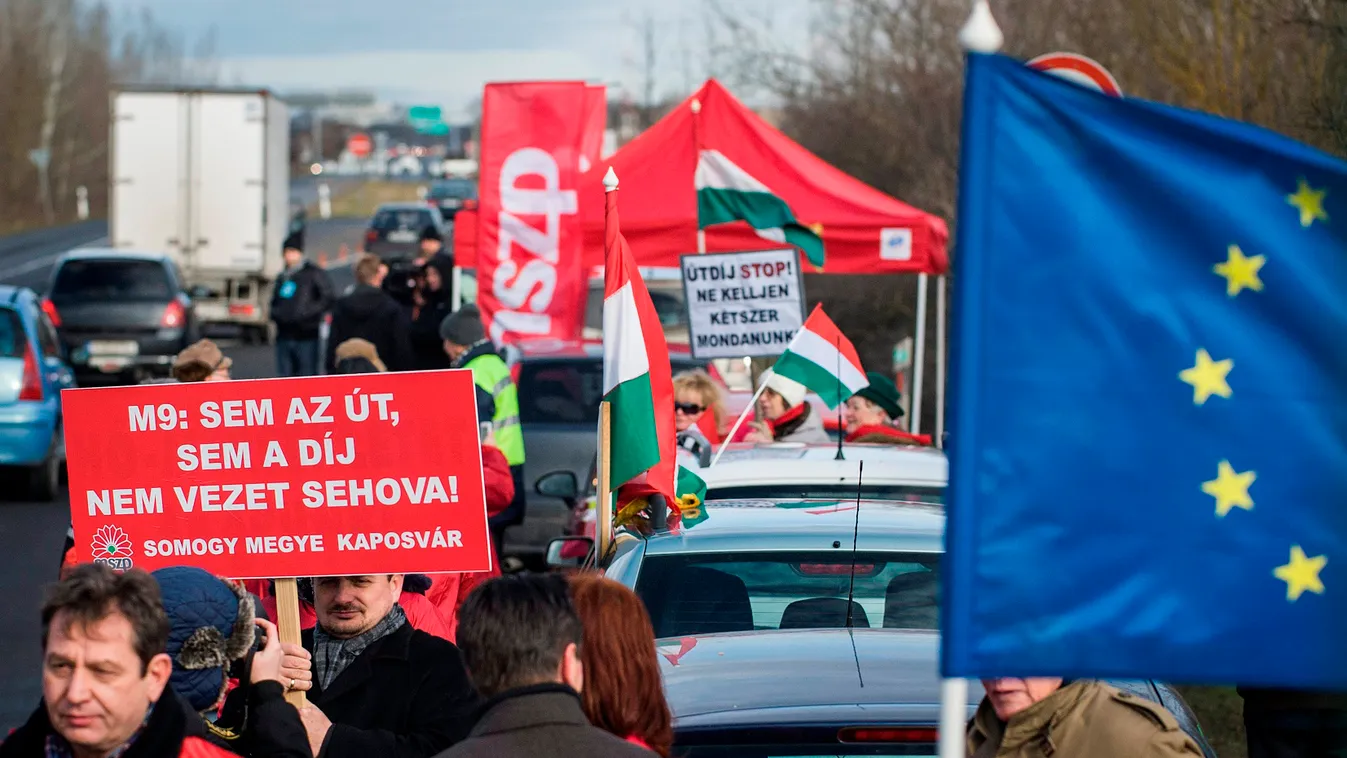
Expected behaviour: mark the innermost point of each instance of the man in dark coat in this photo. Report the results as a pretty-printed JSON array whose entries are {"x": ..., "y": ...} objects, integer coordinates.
[
  {"x": 521, "y": 637},
  {"x": 300, "y": 297},
  {"x": 375, "y": 685},
  {"x": 371, "y": 314}
]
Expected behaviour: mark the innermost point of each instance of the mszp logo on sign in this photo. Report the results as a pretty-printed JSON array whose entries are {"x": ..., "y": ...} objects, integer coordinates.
[
  {"x": 112, "y": 547},
  {"x": 895, "y": 244}
]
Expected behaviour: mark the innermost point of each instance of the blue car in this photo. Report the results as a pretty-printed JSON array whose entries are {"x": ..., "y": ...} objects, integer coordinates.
[{"x": 33, "y": 371}]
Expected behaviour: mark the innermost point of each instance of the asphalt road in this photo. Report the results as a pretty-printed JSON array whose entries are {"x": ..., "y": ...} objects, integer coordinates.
[{"x": 31, "y": 534}]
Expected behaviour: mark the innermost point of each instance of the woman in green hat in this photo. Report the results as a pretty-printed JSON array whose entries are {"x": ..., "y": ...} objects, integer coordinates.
[{"x": 871, "y": 412}]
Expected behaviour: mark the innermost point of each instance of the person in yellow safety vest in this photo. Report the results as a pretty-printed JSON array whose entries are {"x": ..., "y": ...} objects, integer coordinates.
[{"x": 466, "y": 344}]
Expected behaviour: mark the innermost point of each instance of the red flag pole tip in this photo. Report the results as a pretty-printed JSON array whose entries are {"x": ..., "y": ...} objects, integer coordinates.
[{"x": 610, "y": 180}]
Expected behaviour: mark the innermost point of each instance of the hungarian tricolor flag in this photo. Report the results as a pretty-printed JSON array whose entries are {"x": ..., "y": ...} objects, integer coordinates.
[
  {"x": 637, "y": 381},
  {"x": 726, "y": 192},
  {"x": 821, "y": 358}
]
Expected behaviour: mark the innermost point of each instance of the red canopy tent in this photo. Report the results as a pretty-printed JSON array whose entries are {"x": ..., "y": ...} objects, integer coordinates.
[{"x": 659, "y": 198}]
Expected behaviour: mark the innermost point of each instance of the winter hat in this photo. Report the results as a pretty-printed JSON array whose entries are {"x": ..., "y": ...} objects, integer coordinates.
[
  {"x": 210, "y": 627},
  {"x": 431, "y": 233},
  {"x": 884, "y": 393},
  {"x": 359, "y": 348},
  {"x": 463, "y": 326},
  {"x": 790, "y": 390}
]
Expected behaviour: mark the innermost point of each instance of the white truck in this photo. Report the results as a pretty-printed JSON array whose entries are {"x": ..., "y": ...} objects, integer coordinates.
[{"x": 204, "y": 175}]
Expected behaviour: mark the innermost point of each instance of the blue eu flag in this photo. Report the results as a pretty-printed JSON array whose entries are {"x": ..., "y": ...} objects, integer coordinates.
[{"x": 1149, "y": 394}]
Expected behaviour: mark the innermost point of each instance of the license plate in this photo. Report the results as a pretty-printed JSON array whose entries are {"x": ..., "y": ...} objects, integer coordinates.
[
  {"x": 114, "y": 348},
  {"x": 450, "y": 203},
  {"x": 402, "y": 236},
  {"x": 111, "y": 365}
]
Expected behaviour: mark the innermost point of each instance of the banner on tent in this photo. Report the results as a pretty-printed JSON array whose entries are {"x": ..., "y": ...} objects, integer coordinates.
[
  {"x": 322, "y": 476},
  {"x": 529, "y": 237},
  {"x": 742, "y": 304}
]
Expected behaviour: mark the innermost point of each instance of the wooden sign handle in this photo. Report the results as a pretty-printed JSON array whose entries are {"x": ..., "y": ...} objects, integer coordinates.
[{"x": 287, "y": 622}]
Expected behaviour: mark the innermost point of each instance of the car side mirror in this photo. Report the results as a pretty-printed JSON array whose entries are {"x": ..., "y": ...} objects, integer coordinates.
[
  {"x": 569, "y": 552},
  {"x": 559, "y": 484}
]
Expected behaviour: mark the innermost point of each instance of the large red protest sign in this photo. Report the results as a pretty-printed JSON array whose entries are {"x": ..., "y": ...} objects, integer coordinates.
[
  {"x": 323, "y": 476},
  {"x": 529, "y": 236}
]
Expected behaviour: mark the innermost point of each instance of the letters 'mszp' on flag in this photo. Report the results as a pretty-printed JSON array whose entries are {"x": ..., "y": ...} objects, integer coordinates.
[
  {"x": 637, "y": 379},
  {"x": 1149, "y": 394}
]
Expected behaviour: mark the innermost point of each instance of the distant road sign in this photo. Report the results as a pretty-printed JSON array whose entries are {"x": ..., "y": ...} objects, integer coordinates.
[
  {"x": 359, "y": 145},
  {"x": 1079, "y": 69}
]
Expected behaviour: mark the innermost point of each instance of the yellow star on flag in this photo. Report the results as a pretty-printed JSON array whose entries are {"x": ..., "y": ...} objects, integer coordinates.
[
  {"x": 1230, "y": 489},
  {"x": 1310, "y": 202},
  {"x": 1240, "y": 272},
  {"x": 1207, "y": 377},
  {"x": 1301, "y": 574}
]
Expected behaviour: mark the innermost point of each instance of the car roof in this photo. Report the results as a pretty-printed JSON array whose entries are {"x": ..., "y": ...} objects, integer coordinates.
[
  {"x": 807, "y": 524},
  {"x": 11, "y": 294},
  {"x": 549, "y": 348},
  {"x": 746, "y": 464},
  {"x": 403, "y": 206},
  {"x": 113, "y": 254},
  {"x": 798, "y": 676}
]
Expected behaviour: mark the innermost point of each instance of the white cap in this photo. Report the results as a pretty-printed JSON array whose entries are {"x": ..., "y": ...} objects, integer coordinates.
[{"x": 790, "y": 390}]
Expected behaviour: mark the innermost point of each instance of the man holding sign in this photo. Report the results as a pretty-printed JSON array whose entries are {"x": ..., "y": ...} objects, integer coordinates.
[
  {"x": 352, "y": 479},
  {"x": 375, "y": 685}
]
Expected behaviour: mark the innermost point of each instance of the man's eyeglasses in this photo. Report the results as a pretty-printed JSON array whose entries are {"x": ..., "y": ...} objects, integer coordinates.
[{"x": 690, "y": 409}]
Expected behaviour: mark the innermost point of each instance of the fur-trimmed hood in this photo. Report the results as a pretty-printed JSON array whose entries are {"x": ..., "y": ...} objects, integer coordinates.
[{"x": 210, "y": 627}]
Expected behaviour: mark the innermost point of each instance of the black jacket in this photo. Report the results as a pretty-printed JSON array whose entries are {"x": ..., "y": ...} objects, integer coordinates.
[
  {"x": 371, "y": 314},
  {"x": 174, "y": 730},
  {"x": 298, "y": 301},
  {"x": 407, "y": 695},
  {"x": 426, "y": 342},
  {"x": 544, "y": 720}
]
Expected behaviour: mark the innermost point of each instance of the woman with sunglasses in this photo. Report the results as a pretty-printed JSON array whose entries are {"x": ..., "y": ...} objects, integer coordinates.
[{"x": 695, "y": 393}]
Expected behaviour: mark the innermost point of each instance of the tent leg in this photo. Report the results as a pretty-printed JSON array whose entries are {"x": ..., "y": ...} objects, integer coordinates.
[
  {"x": 940, "y": 339},
  {"x": 919, "y": 353},
  {"x": 953, "y": 717}
]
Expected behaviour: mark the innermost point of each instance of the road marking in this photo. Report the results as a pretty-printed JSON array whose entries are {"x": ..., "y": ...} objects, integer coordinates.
[{"x": 46, "y": 260}]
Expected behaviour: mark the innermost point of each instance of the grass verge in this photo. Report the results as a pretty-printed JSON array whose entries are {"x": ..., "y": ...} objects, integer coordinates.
[{"x": 360, "y": 200}]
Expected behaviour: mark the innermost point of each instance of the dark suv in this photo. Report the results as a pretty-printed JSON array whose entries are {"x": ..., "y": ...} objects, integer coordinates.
[
  {"x": 123, "y": 316},
  {"x": 395, "y": 231},
  {"x": 452, "y": 196}
]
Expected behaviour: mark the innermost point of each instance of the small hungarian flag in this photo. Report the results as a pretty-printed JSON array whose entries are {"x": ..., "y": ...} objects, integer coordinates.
[
  {"x": 728, "y": 193},
  {"x": 691, "y": 495},
  {"x": 637, "y": 381},
  {"x": 821, "y": 358}
]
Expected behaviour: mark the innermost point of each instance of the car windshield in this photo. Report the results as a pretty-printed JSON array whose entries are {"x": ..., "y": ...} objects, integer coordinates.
[
  {"x": 122, "y": 281},
  {"x": 704, "y": 593},
  {"x": 12, "y": 339},
  {"x": 902, "y": 493},
  {"x": 406, "y": 219},
  {"x": 461, "y": 190},
  {"x": 568, "y": 391}
]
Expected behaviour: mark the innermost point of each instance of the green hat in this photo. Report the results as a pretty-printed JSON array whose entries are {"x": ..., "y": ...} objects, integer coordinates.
[{"x": 884, "y": 393}]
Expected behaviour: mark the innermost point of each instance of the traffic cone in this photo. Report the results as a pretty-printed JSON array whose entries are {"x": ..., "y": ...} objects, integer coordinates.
[
  {"x": 343, "y": 253},
  {"x": 322, "y": 258}
]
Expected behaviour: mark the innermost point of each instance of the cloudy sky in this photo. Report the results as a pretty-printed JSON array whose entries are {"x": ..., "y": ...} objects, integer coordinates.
[{"x": 442, "y": 51}]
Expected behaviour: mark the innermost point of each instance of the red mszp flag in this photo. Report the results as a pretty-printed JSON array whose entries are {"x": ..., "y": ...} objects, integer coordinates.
[
  {"x": 531, "y": 283},
  {"x": 637, "y": 380}
]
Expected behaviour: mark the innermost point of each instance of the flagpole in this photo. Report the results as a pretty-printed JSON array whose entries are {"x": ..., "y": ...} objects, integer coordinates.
[
  {"x": 919, "y": 353},
  {"x": 980, "y": 34},
  {"x": 762, "y": 385},
  {"x": 696, "y": 107},
  {"x": 940, "y": 338},
  {"x": 603, "y": 528}
]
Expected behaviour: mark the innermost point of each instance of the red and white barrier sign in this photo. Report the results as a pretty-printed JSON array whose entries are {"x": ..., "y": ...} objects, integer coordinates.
[
  {"x": 323, "y": 476},
  {"x": 529, "y": 235}
]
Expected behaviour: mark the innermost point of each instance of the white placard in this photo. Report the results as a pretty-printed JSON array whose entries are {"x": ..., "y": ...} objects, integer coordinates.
[{"x": 743, "y": 304}]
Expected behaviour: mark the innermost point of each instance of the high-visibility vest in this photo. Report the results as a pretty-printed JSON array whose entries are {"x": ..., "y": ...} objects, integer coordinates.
[{"x": 491, "y": 374}]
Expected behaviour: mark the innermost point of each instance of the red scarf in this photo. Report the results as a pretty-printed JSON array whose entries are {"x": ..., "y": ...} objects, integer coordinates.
[
  {"x": 784, "y": 419},
  {"x": 889, "y": 431}
]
